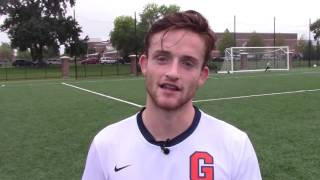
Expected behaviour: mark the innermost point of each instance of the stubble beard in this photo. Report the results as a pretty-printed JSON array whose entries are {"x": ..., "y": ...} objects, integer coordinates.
[{"x": 154, "y": 99}]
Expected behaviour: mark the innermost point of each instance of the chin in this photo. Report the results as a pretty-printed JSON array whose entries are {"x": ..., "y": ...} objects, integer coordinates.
[
  {"x": 167, "y": 103},
  {"x": 170, "y": 105}
]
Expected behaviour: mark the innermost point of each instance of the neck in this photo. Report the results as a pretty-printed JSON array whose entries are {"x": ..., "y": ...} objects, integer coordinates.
[{"x": 167, "y": 124}]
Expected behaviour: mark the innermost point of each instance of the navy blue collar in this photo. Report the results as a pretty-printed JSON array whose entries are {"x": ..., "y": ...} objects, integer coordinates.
[{"x": 147, "y": 135}]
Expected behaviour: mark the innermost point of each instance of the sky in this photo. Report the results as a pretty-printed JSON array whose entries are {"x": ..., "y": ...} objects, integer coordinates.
[{"x": 96, "y": 16}]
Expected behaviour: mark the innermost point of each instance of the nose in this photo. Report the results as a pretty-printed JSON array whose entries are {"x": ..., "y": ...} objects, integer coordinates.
[{"x": 173, "y": 71}]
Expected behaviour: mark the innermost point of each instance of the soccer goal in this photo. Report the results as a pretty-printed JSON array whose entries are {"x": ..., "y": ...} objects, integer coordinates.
[{"x": 247, "y": 59}]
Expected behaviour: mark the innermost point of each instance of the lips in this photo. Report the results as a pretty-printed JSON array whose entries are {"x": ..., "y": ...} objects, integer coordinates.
[{"x": 169, "y": 86}]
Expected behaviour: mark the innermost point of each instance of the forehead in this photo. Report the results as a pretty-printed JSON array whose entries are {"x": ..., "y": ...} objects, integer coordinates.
[{"x": 182, "y": 42}]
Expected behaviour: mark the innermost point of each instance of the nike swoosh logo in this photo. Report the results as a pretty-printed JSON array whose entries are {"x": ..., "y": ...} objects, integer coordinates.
[{"x": 120, "y": 168}]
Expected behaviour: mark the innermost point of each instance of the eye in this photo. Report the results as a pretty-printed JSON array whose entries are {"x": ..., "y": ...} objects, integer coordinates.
[
  {"x": 161, "y": 58},
  {"x": 188, "y": 63}
]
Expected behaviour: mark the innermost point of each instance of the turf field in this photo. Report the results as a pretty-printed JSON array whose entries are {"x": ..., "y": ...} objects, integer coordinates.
[{"x": 46, "y": 126}]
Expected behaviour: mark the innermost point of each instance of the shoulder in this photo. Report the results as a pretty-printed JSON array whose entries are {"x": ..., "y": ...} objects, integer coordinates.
[
  {"x": 211, "y": 121},
  {"x": 225, "y": 131},
  {"x": 116, "y": 131},
  {"x": 235, "y": 143}
]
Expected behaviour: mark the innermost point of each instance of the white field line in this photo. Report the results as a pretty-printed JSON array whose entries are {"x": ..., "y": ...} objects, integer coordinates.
[
  {"x": 43, "y": 82},
  {"x": 58, "y": 81},
  {"x": 212, "y": 76},
  {"x": 256, "y": 95},
  {"x": 110, "y": 97}
]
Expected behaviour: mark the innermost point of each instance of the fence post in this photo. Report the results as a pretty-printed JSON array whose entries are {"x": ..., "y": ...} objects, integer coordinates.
[
  {"x": 133, "y": 69},
  {"x": 65, "y": 66}
]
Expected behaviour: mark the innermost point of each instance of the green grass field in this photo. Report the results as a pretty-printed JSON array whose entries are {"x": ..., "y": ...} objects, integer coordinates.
[{"x": 46, "y": 127}]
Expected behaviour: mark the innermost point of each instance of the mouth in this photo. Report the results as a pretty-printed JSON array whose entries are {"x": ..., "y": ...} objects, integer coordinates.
[{"x": 171, "y": 87}]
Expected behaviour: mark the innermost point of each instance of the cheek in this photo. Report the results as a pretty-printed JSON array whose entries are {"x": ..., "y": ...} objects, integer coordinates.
[
  {"x": 153, "y": 72},
  {"x": 193, "y": 85},
  {"x": 151, "y": 77}
]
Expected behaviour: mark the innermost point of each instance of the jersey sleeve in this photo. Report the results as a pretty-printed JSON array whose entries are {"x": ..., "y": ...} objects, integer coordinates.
[
  {"x": 93, "y": 168},
  {"x": 247, "y": 166}
]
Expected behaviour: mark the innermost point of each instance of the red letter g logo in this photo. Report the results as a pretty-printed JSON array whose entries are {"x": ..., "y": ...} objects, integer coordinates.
[{"x": 201, "y": 166}]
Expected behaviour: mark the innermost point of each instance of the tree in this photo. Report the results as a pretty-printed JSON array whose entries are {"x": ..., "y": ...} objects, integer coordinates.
[
  {"x": 255, "y": 40},
  {"x": 127, "y": 37},
  {"x": 6, "y": 53},
  {"x": 51, "y": 52},
  {"x": 301, "y": 45},
  {"x": 79, "y": 48},
  {"x": 153, "y": 12},
  {"x": 315, "y": 28},
  {"x": 317, "y": 51},
  {"x": 39, "y": 24},
  {"x": 227, "y": 41},
  {"x": 309, "y": 51},
  {"x": 123, "y": 35},
  {"x": 23, "y": 54}
]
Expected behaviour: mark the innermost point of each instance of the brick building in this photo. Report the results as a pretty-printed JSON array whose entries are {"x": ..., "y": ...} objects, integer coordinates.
[
  {"x": 103, "y": 48},
  {"x": 97, "y": 44}
]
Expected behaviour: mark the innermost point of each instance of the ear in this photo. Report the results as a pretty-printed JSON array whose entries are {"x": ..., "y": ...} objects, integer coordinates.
[
  {"x": 143, "y": 61},
  {"x": 203, "y": 76}
]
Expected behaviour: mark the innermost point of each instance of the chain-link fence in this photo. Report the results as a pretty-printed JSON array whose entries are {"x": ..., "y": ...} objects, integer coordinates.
[
  {"x": 53, "y": 71},
  {"x": 10, "y": 72}
]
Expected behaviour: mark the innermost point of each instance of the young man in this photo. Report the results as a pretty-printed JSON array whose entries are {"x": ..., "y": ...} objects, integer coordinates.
[{"x": 170, "y": 138}]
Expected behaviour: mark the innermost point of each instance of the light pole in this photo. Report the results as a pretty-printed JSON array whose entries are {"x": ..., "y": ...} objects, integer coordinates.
[
  {"x": 135, "y": 43},
  {"x": 74, "y": 48}
]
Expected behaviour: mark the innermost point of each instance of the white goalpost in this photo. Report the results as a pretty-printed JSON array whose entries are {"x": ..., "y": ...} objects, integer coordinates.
[{"x": 250, "y": 59}]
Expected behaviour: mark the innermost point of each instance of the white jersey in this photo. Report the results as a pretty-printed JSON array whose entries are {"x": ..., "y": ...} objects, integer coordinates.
[{"x": 209, "y": 149}]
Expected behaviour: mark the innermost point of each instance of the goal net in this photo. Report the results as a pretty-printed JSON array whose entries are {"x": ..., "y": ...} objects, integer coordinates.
[{"x": 247, "y": 59}]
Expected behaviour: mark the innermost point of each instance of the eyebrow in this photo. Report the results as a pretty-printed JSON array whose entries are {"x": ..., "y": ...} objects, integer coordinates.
[
  {"x": 162, "y": 52},
  {"x": 190, "y": 58},
  {"x": 168, "y": 53}
]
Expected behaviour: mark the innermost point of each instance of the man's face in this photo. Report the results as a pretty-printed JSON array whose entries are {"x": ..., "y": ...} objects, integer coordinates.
[{"x": 174, "y": 68}]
